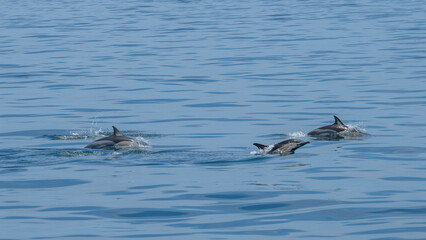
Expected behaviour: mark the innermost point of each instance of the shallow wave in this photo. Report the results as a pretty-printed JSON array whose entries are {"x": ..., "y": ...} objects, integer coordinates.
[
  {"x": 29, "y": 157},
  {"x": 78, "y": 153}
]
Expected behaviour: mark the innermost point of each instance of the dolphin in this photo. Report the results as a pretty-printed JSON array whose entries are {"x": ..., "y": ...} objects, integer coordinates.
[
  {"x": 117, "y": 140},
  {"x": 282, "y": 148},
  {"x": 330, "y": 131}
]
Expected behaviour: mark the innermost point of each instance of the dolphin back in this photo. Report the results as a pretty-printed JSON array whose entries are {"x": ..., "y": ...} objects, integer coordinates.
[
  {"x": 329, "y": 131},
  {"x": 117, "y": 140}
]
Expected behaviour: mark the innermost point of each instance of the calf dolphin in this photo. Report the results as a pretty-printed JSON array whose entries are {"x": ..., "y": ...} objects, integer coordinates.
[
  {"x": 117, "y": 140},
  {"x": 282, "y": 148}
]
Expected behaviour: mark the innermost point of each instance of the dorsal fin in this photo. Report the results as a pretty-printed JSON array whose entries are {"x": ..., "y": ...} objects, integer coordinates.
[
  {"x": 117, "y": 132},
  {"x": 260, "y": 146},
  {"x": 338, "y": 121}
]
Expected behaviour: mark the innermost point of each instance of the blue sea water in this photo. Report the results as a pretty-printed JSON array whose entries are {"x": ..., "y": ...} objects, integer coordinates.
[{"x": 201, "y": 81}]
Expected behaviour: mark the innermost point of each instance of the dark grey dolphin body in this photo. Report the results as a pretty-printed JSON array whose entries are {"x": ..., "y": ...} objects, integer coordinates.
[
  {"x": 283, "y": 148},
  {"x": 330, "y": 131},
  {"x": 117, "y": 140}
]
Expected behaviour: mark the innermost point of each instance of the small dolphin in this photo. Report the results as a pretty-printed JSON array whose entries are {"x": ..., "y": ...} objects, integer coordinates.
[
  {"x": 282, "y": 148},
  {"x": 330, "y": 131},
  {"x": 117, "y": 140}
]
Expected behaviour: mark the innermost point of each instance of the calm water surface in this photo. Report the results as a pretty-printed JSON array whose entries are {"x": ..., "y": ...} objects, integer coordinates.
[{"x": 201, "y": 81}]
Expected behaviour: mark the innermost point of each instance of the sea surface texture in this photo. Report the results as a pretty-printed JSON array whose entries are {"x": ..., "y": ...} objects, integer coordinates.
[{"x": 201, "y": 81}]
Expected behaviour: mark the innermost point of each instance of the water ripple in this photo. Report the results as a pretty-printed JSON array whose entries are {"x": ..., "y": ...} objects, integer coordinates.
[
  {"x": 41, "y": 183},
  {"x": 202, "y": 81}
]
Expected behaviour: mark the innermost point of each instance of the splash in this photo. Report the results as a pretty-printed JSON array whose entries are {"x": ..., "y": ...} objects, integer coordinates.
[
  {"x": 298, "y": 134},
  {"x": 94, "y": 132},
  {"x": 72, "y": 136},
  {"x": 255, "y": 152},
  {"x": 354, "y": 131},
  {"x": 142, "y": 142},
  {"x": 262, "y": 151},
  {"x": 80, "y": 134}
]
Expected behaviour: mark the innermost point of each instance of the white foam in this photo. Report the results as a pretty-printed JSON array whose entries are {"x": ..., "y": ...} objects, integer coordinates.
[
  {"x": 354, "y": 131},
  {"x": 77, "y": 135},
  {"x": 142, "y": 142},
  {"x": 96, "y": 132},
  {"x": 298, "y": 134},
  {"x": 262, "y": 151},
  {"x": 83, "y": 134}
]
